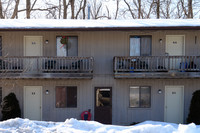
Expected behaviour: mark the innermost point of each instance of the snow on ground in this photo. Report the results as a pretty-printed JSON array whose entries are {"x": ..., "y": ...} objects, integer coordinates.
[{"x": 19, "y": 125}]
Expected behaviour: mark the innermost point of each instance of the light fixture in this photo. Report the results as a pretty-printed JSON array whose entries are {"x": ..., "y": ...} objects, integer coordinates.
[
  {"x": 160, "y": 40},
  {"x": 159, "y": 91},
  {"x": 47, "y": 92},
  {"x": 47, "y": 41}
]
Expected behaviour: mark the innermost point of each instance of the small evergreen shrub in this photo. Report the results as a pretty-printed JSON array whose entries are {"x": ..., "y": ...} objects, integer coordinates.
[
  {"x": 10, "y": 107},
  {"x": 194, "y": 115}
]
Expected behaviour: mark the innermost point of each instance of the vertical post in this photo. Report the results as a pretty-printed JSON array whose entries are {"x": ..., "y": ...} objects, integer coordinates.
[{"x": 88, "y": 11}]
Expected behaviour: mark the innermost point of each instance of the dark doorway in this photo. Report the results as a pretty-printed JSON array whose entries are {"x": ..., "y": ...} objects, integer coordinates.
[{"x": 103, "y": 105}]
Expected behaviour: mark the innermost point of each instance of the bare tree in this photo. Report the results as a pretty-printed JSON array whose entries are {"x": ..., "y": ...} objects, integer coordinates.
[
  {"x": 28, "y": 9},
  {"x": 15, "y": 10},
  {"x": 130, "y": 10},
  {"x": 82, "y": 6},
  {"x": 117, "y": 9},
  {"x": 76, "y": 9},
  {"x": 168, "y": 10},
  {"x": 65, "y": 7},
  {"x": 158, "y": 9},
  {"x": 190, "y": 9},
  {"x": 1, "y": 10},
  {"x": 187, "y": 8},
  {"x": 10, "y": 10},
  {"x": 140, "y": 8}
]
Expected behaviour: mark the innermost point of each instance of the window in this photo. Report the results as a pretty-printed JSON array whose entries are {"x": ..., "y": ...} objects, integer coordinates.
[
  {"x": 1, "y": 95},
  {"x": 0, "y": 45},
  {"x": 71, "y": 49},
  {"x": 140, "y": 45},
  {"x": 140, "y": 96},
  {"x": 66, "y": 96}
]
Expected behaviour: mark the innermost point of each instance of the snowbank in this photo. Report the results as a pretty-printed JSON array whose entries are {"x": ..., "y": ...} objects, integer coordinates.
[{"x": 78, "y": 126}]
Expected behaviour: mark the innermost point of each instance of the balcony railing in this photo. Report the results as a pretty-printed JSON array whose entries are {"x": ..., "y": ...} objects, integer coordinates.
[
  {"x": 156, "y": 64},
  {"x": 46, "y": 65}
]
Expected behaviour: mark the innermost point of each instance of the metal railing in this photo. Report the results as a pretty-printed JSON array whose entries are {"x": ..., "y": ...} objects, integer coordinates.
[
  {"x": 46, "y": 64},
  {"x": 156, "y": 63}
]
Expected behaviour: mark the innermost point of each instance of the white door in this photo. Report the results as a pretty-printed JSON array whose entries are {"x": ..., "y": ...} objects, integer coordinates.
[
  {"x": 32, "y": 47},
  {"x": 33, "y": 102},
  {"x": 175, "y": 47},
  {"x": 174, "y": 101}
]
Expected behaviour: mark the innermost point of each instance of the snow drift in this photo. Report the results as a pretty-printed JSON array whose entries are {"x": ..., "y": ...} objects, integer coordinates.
[{"x": 78, "y": 126}]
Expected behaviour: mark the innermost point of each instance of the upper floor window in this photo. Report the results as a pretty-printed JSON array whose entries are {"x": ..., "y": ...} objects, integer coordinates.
[
  {"x": 66, "y": 96},
  {"x": 0, "y": 45},
  {"x": 67, "y": 45},
  {"x": 140, "y": 45},
  {"x": 140, "y": 96}
]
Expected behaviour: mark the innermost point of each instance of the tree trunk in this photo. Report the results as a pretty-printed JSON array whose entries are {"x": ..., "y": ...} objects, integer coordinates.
[
  {"x": 72, "y": 8},
  {"x": 64, "y": 9},
  {"x": 15, "y": 10},
  {"x": 84, "y": 6},
  {"x": 158, "y": 9},
  {"x": 129, "y": 9},
  {"x": 28, "y": 9},
  {"x": 59, "y": 10},
  {"x": 1, "y": 11},
  {"x": 190, "y": 10},
  {"x": 139, "y": 9}
]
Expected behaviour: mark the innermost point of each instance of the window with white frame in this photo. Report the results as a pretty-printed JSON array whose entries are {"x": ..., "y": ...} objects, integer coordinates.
[{"x": 140, "y": 97}]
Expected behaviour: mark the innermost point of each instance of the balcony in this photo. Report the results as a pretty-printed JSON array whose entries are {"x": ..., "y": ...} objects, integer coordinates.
[
  {"x": 157, "y": 67},
  {"x": 46, "y": 67}
]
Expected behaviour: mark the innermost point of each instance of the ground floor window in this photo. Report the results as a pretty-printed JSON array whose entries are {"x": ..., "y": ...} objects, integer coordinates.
[
  {"x": 140, "y": 96},
  {"x": 1, "y": 94},
  {"x": 66, "y": 96}
]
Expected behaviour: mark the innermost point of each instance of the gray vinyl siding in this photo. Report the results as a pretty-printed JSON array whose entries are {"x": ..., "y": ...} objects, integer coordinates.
[
  {"x": 103, "y": 46},
  {"x": 122, "y": 114}
]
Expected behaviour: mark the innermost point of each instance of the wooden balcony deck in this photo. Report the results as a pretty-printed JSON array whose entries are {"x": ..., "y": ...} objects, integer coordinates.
[
  {"x": 46, "y": 67},
  {"x": 157, "y": 67}
]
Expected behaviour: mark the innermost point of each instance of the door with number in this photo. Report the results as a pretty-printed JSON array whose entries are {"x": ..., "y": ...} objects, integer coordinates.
[
  {"x": 33, "y": 102},
  {"x": 103, "y": 105},
  {"x": 174, "y": 102},
  {"x": 175, "y": 47},
  {"x": 32, "y": 47}
]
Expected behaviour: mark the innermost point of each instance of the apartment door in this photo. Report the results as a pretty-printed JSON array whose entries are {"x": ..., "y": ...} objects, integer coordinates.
[
  {"x": 103, "y": 105},
  {"x": 33, "y": 102},
  {"x": 175, "y": 47},
  {"x": 174, "y": 102},
  {"x": 32, "y": 47}
]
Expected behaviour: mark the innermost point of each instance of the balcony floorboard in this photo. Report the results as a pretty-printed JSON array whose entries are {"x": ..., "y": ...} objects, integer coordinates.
[
  {"x": 157, "y": 75},
  {"x": 46, "y": 75}
]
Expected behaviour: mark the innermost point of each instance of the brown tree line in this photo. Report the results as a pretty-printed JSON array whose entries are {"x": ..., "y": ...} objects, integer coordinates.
[{"x": 99, "y": 9}]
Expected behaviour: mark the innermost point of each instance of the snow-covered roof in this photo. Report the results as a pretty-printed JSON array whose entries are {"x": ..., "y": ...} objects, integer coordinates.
[{"x": 57, "y": 24}]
